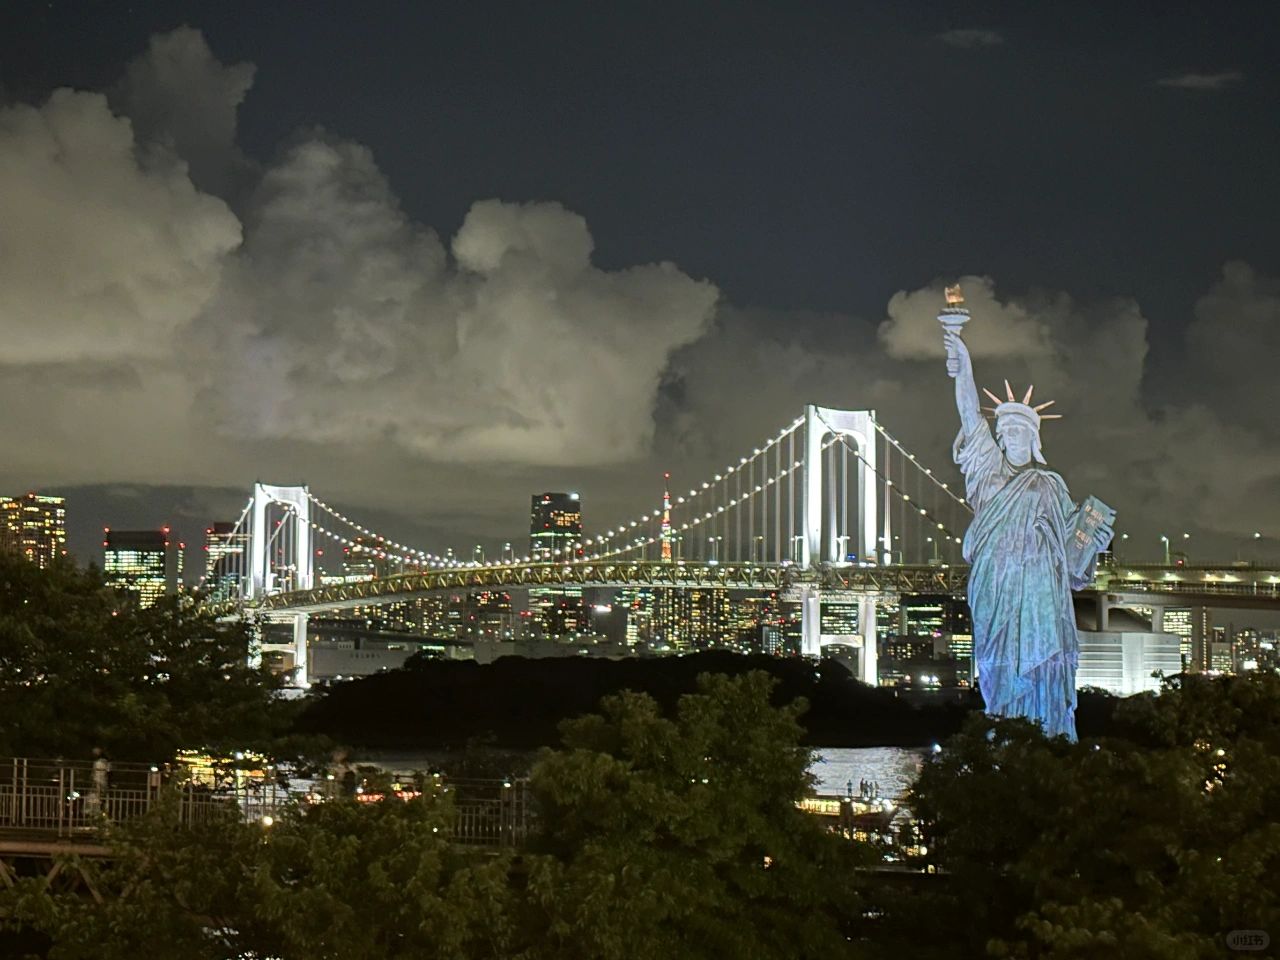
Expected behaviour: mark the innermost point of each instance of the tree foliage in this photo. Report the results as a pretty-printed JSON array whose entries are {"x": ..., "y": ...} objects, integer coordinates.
[
  {"x": 657, "y": 837},
  {"x": 340, "y": 880},
  {"x": 1157, "y": 844},
  {"x": 679, "y": 836},
  {"x": 83, "y": 668}
]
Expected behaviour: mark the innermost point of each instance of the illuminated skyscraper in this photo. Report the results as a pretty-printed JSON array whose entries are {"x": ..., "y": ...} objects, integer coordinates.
[
  {"x": 555, "y": 526},
  {"x": 34, "y": 527},
  {"x": 555, "y": 532},
  {"x": 1179, "y": 621},
  {"x": 146, "y": 563},
  {"x": 224, "y": 560}
]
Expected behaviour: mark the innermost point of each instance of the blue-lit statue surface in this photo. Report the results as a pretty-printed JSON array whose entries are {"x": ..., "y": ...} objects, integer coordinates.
[{"x": 1028, "y": 547}]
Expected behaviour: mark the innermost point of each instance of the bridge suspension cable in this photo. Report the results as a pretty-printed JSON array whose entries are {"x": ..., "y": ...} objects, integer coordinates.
[{"x": 917, "y": 519}]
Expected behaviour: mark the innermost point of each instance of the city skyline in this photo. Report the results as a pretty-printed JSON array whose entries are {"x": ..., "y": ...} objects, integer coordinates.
[{"x": 163, "y": 406}]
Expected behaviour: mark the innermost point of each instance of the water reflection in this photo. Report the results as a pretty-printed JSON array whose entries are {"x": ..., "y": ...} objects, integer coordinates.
[{"x": 893, "y": 768}]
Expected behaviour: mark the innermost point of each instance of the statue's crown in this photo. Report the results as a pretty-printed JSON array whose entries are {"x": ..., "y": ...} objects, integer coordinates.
[{"x": 1012, "y": 407}]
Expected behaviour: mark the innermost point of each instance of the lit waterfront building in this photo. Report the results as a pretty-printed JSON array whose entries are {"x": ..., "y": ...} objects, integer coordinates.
[
  {"x": 34, "y": 526},
  {"x": 1126, "y": 661},
  {"x": 888, "y": 617},
  {"x": 931, "y": 616},
  {"x": 690, "y": 619},
  {"x": 147, "y": 563}
]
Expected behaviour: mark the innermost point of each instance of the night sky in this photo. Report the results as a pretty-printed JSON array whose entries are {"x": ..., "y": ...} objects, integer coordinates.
[{"x": 431, "y": 258}]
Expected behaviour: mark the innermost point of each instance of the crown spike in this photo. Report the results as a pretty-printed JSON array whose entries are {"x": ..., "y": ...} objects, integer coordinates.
[
  {"x": 1027, "y": 398},
  {"x": 1009, "y": 390},
  {"x": 994, "y": 398},
  {"x": 1041, "y": 406},
  {"x": 1050, "y": 416}
]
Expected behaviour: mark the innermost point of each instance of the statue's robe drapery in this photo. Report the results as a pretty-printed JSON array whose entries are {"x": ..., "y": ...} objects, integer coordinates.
[{"x": 1024, "y": 628}]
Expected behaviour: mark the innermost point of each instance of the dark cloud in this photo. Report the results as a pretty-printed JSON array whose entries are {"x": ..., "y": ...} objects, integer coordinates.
[
  {"x": 971, "y": 38},
  {"x": 178, "y": 94},
  {"x": 1203, "y": 81}
]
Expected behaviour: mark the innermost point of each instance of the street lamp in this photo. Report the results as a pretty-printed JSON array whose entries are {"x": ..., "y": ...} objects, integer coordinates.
[
  {"x": 714, "y": 548},
  {"x": 760, "y": 541},
  {"x": 935, "y": 546},
  {"x": 1165, "y": 541}
]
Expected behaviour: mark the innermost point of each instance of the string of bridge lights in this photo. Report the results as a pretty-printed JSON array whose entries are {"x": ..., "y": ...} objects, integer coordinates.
[
  {"x": 731, "y": 504},
  {"x": 920, "y": 466},
  {"x": 901, "y": 494},
  {"x": 410, "y": 553},
  {"x": 392, "y": 549}
]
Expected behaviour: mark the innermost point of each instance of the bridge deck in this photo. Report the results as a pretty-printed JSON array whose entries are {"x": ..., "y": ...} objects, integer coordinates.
[{"x": 1217, "y": 585}]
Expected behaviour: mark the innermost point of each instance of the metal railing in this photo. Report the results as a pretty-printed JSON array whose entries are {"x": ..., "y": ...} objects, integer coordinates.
[{"x": 57, "y": 799}]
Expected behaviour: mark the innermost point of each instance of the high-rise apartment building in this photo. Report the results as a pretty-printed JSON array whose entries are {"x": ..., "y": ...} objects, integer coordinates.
[
  {"x": 34, "y": 526},
  {"x": 147, "y": 563}
]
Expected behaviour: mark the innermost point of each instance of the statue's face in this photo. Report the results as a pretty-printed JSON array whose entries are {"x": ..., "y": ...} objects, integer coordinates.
[{"x": 1016, "y": 439}]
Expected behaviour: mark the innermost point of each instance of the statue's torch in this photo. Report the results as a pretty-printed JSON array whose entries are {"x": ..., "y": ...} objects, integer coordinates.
[{"x": 953, "y": 318}]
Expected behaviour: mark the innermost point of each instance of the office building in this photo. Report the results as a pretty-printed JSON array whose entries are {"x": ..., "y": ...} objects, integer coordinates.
[
  {"x": 1127, "y": 661},
  {"x": 34, "y": 527},
  {"x": 146, "y": 563}
]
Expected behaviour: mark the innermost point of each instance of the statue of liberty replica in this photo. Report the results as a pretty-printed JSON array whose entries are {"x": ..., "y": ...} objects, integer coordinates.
[{"x": 1028, "y": 547}]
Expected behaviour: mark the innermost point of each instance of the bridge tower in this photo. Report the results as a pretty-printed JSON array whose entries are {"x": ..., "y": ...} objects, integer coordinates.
[
  {"x": 293, "y": 532},
  {"x": 858, "y": 426}
]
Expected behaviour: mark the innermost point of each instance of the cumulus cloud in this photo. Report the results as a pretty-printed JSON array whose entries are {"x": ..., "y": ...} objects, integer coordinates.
[
  {"x": 328, "y": 317},
  {"x": 971, "y": 38},
  {"x": 154, "y": 336},
  {"x": 1234, "y": 340},
  {"x": 912, "y": 330},
  {"x": 1202, "y": 81},
  {"x": 341, "y": 318},
  {"x": 105, "y": 249}
]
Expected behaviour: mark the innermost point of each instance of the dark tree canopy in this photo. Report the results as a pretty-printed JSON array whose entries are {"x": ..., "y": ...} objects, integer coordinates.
[
  {"x": 1156, "y": 844},
  {"x": 658, "y": 836},
  {"x": 82, "y": 667}
]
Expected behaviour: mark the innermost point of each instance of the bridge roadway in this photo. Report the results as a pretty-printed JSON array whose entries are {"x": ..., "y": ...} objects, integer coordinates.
[
  {"x": 1220, "y": 585},
  {"x": 857, "y": 578}
]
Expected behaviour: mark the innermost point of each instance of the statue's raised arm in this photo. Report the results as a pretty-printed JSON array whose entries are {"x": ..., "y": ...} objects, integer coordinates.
[{"x": 960, "y": 367}]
